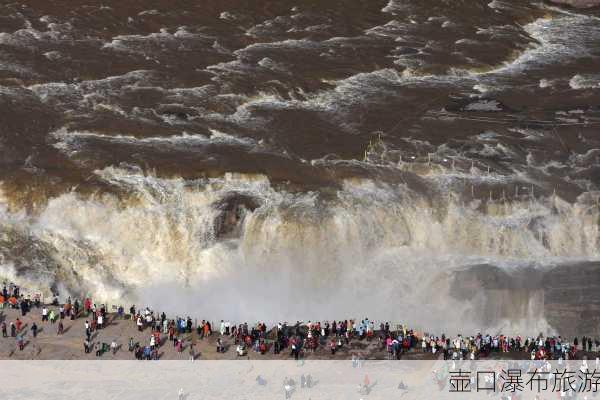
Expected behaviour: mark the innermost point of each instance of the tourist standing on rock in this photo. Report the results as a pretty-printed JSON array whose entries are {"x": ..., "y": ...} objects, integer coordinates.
[
  {"x": 13, "y": 330},
  {"x": 24, "y": 307},
  {"x": 201, "y": 329},
  {"x": 207, "y": 329},
  {"x": 87, "y": 329},
  {"x": 20, "y": 343},
  {"x": 75, "y": 312},
  {"x": 156, "y": 335},
  {"x": 87, "y": 305},
  {"x": 44, "y": 314},
  {"x": 192, "y": 354},
  {"x": 220, "y": 347}
]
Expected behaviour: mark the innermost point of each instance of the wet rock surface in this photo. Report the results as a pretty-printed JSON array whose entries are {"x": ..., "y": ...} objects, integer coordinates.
[
  {"x": 578, "y": 3},
  {"x": 568, "y": 296}
]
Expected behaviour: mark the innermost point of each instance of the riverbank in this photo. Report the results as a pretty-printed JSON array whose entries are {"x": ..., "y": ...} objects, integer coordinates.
[
  {"x": 69, "y": 346},
  {"x": 48, "y": 345}
]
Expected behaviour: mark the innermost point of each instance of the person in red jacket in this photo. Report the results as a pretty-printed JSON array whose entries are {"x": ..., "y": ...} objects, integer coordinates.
[{"x": 87, "y": 305}]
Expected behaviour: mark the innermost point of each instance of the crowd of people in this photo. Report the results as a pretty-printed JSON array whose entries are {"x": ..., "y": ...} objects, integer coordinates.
[{"x": 298, "y": 339}]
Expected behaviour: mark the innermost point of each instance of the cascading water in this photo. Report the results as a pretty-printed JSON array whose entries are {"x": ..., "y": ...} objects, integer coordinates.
[
  {"x": 430, "y": 162},
  {"x": 368, "y": 248}
]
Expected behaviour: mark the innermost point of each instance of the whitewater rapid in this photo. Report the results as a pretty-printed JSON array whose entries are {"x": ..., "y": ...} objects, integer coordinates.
[
  {"x": 300, "y": 160},
  {"x": 236, "y": 248}
]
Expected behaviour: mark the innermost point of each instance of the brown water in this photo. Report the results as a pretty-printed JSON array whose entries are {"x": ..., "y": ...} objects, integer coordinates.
[{"x": 144, "y": 143}]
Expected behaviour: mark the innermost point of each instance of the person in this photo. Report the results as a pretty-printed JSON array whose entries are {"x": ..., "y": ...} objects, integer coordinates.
[
  {"x": 100, "y": 321},
  {"x": 34, "y": 329},
  {"x": 220, "y": 347},
  {"x": 147, "y": 353},
  {"x": 44, "y": 314},
  {"x": 192, "y": 355},
  {"x": 88, "y": 330},
  {"x": 24, "y": 308},
  {"x": 4, "y": 333},
  {"x": 75, "y": 312},
  {"x": 61, "y": 328},
  {"x": 87, "y": 305},
  {"x": 114, "y": 346},
  {"x": 13, "y": 330},
  {"x": 131, "y": 345},
  {"x": 98, "y": 349},
  {"x": 20, "y": 343},
  {"x": 295, "y": 350},
  {"x": 87, "y": 346}
]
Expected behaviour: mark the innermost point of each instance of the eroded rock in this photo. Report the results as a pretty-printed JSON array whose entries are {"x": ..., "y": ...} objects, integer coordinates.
[
  {"x": 578, "y": 3},
  {"x": 567, "y": 296}
]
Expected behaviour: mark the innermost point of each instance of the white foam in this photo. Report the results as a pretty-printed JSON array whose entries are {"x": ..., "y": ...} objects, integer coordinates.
[
  {"x": 557, "y": 38},
  {"x": 376, "y": 241},
  {"x": 484, "y": 105},
  {"x": 588, "y": 81},
  {"x": 69, "y": 140}
]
